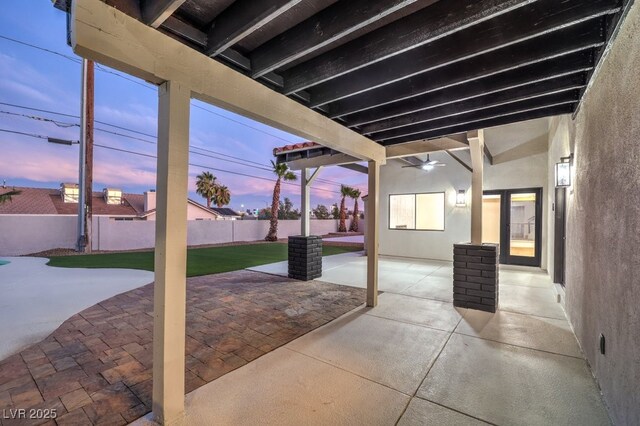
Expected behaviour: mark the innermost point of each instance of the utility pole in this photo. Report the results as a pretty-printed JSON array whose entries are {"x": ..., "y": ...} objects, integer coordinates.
[{"x": 85, "y": 184}]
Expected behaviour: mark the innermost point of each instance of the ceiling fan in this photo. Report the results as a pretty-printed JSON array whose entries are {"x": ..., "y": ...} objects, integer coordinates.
[{"x": 428, "y": 165}]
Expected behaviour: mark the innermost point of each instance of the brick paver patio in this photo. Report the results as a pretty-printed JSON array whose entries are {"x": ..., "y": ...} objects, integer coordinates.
[{"x": 96, "y": 368}]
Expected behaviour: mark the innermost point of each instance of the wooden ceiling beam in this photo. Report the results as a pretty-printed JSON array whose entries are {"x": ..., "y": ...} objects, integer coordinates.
[
  {"x": 569, "y": 97},
  {"x": 155, "y": 12},
  {"x": 483, "y": 124},
  {"x": 450, "y": 142},
  {"x": 511, "y": 67},
  {"x": 102, "y": 33},
  {"x": 506, "y": 97},
  {"x": 240, "y": 19},
  {"x": 518, "y": 26},
  {"x": 438, "y": 20},
  {"x": 326, "y": 27}
]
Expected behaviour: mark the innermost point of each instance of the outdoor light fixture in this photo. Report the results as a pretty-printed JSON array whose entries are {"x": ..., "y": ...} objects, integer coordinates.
[
  {"x": 461, "y": 199},
  {"x": 563, "y": 172}
]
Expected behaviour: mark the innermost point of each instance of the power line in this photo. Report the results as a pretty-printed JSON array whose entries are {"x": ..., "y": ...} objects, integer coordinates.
[
  {"x": 53, "y": 52},
  {"x": 103, "y": 69},
  {"x": 260, "y": 166},
  {"x": 151, "y": 87},
  {"x": 153, "y": 156}
]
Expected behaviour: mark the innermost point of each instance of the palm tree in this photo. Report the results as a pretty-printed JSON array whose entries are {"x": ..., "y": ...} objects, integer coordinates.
[
  {"x": 282, "y": 172},
  {"x": 355, "y": 194},
  {"x": 345, "y": 191},
  {"x": 7, "y": 195},
  {"x": 206, "y": 186},
  {"x": 223, "y": 196}
]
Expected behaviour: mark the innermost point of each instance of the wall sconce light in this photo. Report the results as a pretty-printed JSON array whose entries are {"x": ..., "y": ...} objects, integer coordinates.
[
  {"x": 563, "y": 172},
  {"x": 461, "y": 199}
]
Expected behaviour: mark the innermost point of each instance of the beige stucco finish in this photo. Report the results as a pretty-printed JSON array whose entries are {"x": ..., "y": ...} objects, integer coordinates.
[{"x": 603, "y": 222}]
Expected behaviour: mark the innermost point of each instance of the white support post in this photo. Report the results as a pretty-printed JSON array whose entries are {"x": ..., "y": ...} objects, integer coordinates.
[
  {"x": 305, "y": 190},
  {"x": 305, "y": 196},
  {"x": 476, "y": 145},
  {"x": 169, "y": 308},
  {"x": 372, "y": 216}
]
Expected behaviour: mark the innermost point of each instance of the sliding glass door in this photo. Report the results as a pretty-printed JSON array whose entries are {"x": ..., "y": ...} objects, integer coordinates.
[{"x": 513, "y": 218}]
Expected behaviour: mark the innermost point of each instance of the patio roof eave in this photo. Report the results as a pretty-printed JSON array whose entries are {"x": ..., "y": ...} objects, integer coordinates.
[{"x": 113, "y": 38}]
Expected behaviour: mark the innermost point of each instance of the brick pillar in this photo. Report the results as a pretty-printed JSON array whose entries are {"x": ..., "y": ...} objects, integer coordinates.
[
  {"x": 305, "y": 257},
  {"x": 475, "y": 276}
]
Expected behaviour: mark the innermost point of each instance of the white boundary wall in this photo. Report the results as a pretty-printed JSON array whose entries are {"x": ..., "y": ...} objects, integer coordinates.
[{"x": 24, "y": 234}]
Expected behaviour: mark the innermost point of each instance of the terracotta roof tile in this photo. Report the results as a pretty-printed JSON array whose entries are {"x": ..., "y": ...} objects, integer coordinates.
[
  {"x": 295, "y": 147},
  {"x": 49, "y": 201}
]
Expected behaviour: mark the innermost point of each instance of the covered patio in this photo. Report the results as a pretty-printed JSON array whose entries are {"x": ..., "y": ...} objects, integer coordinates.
[{"x": 368, "y": 82}]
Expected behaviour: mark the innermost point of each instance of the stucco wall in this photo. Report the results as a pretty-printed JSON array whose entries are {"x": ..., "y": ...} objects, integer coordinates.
[
  {"x": 34, "y": 233},
  {"x": 394, "y": 179},
  {"x": 603, "y": 223},
  {"x": 22, "y": 234}
]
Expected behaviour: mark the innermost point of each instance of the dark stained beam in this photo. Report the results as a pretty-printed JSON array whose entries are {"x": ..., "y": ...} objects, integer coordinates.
[
  {"x": 440, "y": 19},
  {"x": 481, "y": 39},
  {"x": 483, "y": 124},
  {"x": 569, "y": 97},
  {"x": 199, "y": 39},
  {"x": 186, "y": 31},
  {"x": 155, "y": 12},
  {"x": 326, "y": 27},
  {"x": 459, "y": 160},
  {"x": 517, "y": 94},
  {"x": 520, "y": 25},
  {"x": 500, "y": 70},
  {"x": 241, "y": 19}
]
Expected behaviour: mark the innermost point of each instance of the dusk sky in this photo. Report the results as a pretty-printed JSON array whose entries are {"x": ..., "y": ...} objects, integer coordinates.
[{"x": 49, "y": 82}]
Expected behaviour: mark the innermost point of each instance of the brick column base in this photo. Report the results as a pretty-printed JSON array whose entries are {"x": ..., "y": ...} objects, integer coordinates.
[
  {"x": 305, "y": 257},
  {"x": 475, "y": 276}
]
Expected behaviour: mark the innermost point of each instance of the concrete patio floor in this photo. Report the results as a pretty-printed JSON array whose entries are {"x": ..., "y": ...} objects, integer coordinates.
[
  {"x": 416, "y": 360},
  {"x": 35, "y": 298}
]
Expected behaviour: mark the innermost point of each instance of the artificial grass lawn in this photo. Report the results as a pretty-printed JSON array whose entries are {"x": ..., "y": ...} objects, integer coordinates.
[{"x": 200, "y": 261}]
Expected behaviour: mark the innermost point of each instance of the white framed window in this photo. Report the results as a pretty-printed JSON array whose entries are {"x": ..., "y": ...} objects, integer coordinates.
[{"x": 420, "y": 212}]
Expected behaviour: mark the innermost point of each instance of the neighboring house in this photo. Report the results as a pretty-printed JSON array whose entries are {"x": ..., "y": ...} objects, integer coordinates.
[
  {"x": 195, "y": 211},
  {"x": 112, "y": 203},
  {"x": 226, "y": 213}
]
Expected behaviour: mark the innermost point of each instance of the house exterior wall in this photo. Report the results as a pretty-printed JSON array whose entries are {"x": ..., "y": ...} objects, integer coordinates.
[
  {"x": 603, "y": 222},
  {"x": 394, "y": 179},
  {"x": 193, "y": 213},
  {"x": 24, "y": 234}
]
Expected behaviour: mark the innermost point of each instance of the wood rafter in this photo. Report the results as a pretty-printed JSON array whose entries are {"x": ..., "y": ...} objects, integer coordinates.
[
  {"x": 522, "y": 24},
  {"x": 242, "y": 18}
]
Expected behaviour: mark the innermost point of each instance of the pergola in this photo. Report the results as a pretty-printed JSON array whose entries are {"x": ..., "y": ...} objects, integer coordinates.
[{"x": 370, "y": 79}]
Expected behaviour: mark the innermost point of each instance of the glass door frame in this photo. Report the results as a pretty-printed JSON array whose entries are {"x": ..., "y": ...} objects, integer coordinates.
[{"x": 505, "y": 226}]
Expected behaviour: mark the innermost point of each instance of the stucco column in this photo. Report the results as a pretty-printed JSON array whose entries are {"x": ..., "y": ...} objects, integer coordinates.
[
  {"x": 372, "y": 216},
  {"x": 476, "y": 145},
  {"x": 170, "y": 253},
  {"x": 305, "y": 199}
]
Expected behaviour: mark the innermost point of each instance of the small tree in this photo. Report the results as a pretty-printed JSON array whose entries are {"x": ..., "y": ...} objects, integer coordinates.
[
  {"x": 6, "y": 197},
  {"x": 206, "y": 186},
  {"x": 355, "y": 194},
  {"x": 345, "y": 191},
  {"x": 321, "y": 212},
  {"x": 335, "y": 212},
  {"x": 282, "y": 172},
  {"x": 286, "y": 210}
]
